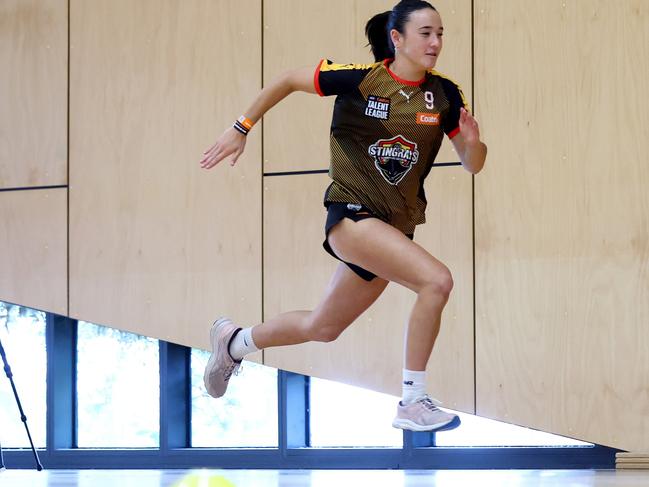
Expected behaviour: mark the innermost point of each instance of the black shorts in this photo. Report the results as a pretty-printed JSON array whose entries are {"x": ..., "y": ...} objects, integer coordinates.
[{"x": 335, "y": 213}]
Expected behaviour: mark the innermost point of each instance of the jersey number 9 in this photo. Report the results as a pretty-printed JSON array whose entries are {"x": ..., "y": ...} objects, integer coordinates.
[{"x": 428, "y": 95}]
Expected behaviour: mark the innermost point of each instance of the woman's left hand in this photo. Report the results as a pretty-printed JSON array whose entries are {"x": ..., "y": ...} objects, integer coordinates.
[{"x": 469, "y": 127}]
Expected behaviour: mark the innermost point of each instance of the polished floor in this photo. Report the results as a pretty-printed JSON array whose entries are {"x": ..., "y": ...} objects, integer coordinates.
[{"x": 323, "y": 478}]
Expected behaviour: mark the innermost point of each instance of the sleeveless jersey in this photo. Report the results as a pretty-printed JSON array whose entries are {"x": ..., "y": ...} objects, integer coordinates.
[{"x": 385, "y": 135}]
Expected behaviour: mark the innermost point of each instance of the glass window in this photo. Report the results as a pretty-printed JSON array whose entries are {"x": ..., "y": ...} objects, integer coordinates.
[
  {"x": 245, "y": 417},
  {"x": 363, "y": 418},
  {"x": 22, "y": 332},
  {"x": 345, "y": 416},
  {"x": 477, "y": 431},
  {"x": 118, "y": 388}
]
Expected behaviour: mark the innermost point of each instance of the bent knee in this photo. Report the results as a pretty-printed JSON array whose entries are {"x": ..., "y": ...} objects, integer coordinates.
[
  {"x": 325, "y": 332},
  {"x": 440, "y": 283}
]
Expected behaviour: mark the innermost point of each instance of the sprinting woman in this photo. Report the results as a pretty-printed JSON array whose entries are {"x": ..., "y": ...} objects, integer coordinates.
[{"x": 389, "y": 120}]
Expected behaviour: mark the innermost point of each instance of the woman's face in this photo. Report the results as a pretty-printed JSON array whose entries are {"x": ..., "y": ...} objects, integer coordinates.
[{"x": 421, "y": 42}]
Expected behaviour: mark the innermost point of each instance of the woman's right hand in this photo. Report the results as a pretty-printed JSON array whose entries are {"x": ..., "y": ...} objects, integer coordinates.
[{"x": 231, "y": 142}]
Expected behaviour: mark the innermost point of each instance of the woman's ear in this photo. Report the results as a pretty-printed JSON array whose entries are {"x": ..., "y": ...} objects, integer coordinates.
[{"x": 396, "y": 38}]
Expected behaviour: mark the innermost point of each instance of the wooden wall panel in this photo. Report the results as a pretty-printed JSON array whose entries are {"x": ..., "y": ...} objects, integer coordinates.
[
  {"x": 336, "y": 30},
  {"x": 158, "y": 245},
  {"x": 33, "y": 243},
  {"x": 369, "y": 353},
  {"x": 33, "y": 87},
  {"x": 562, "y": 243}
]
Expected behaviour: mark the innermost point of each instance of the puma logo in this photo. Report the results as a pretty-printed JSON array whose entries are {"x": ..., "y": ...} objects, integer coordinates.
[
  {"x": 406, "y": 95},
  {"x": 408, "y": 382}
]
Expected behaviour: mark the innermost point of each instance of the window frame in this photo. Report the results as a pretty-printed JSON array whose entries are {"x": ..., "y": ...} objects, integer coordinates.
[{"x": 294, "y": 452}]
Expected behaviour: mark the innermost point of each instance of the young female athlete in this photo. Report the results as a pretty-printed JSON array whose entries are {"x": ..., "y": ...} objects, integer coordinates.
[{"x": 388, "y": 123}]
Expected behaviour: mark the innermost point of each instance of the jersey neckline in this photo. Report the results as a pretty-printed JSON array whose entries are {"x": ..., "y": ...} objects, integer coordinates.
[{"x": 394, "y": 76}]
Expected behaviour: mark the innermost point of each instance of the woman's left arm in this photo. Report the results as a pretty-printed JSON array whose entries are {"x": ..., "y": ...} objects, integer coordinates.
[{"x": 471, "y": 150}]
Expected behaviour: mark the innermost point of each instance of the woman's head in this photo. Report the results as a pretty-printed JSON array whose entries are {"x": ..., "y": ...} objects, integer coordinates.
[{"x": 413, "y": 28}]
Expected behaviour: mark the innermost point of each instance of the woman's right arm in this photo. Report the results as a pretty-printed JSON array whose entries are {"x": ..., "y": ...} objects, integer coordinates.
[{"x": 232, "y": 142}]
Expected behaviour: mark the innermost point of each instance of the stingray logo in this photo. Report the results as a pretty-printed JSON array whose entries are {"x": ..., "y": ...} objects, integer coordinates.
[{"x": 394, "y": 157}]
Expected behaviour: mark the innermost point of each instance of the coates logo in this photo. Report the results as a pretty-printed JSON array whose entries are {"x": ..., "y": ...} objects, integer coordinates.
[
  {"x": 394, "y": 157},
  {"x": 427, "y": 118}
]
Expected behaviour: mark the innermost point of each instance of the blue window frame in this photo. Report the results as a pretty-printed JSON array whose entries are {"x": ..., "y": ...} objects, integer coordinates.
[{"x": 293, "y": 448}]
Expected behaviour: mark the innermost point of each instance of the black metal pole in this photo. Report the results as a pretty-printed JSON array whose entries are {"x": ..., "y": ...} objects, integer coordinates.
[{"x": 23, "y": 418}]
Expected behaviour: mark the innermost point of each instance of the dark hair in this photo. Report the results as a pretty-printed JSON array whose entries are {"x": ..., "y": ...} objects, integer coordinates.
[{"x": 378, "y": 27}]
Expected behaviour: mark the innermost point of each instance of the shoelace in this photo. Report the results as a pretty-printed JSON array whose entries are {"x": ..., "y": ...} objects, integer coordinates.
[
  {"x": 429, "y": 403},
  {"x": 233, "y": 369}
]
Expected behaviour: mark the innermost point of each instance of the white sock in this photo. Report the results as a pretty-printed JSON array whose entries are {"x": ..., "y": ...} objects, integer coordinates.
[
  {"x": 242, "y": 344},
  {"x": 414, "y": 385}
]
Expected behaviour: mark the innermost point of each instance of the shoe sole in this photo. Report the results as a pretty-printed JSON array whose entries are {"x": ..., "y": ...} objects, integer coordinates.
[
  {"x": 406, "y": 424},
  {"x": 211, "y": 363},
  {"x": 452, "y": 425}
]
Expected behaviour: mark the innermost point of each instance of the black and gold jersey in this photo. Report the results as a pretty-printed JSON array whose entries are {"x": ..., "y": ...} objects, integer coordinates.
[{"x": 385, "y": 135}]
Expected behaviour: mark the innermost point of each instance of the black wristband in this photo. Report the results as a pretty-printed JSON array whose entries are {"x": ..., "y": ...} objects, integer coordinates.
[{"x": 240, "y": 128}]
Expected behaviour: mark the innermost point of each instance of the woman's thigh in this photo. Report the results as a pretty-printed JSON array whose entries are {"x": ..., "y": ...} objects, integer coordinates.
[
  {"x": 383, "y": 250},
  {"x": 347, "y": 296}
]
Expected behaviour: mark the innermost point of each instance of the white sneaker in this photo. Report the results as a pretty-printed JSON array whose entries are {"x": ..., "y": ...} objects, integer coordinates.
[
  {"x": 220, "y": 366},
  {"x": 422, "y": 415}
]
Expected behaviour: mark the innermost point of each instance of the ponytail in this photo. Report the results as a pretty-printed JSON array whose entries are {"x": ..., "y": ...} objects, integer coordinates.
[
  {"x": 378, "y": 36},
  {"x": 378, "y": 27}
]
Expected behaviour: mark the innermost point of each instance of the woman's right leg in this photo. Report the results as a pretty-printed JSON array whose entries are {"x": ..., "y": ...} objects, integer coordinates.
[
  {"x": 345, "y": 299},
  {"x": 347, "y": 296}
]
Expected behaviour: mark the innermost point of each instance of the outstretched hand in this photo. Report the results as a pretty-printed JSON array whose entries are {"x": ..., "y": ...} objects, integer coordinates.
[
  {"x": 231, "y": 142},
  {"x": 469, "y": 127}
]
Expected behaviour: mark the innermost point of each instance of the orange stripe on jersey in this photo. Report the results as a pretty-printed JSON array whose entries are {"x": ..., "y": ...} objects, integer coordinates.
[
  {"x": 316, "y": 76},
  {"x": 454, "y": 132},
  {"x": 401, "y": 80}
]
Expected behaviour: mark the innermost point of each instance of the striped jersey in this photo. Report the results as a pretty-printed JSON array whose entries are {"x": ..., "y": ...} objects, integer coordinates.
[{"x": 385, "y": 135}]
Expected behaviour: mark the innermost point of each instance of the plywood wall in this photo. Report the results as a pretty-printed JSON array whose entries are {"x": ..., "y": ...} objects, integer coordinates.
[
  {"x": 562, "y": 249},
  {"x": 33, "y": 239},
  {"x": 33, "y": 153},
  {"x": 159, "y": 246},
  {"x": 33, "y": 93}
]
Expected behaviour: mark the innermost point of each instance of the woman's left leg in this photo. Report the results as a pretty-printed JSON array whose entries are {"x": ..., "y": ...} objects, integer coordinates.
[{"x": 388, "y": 253}]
